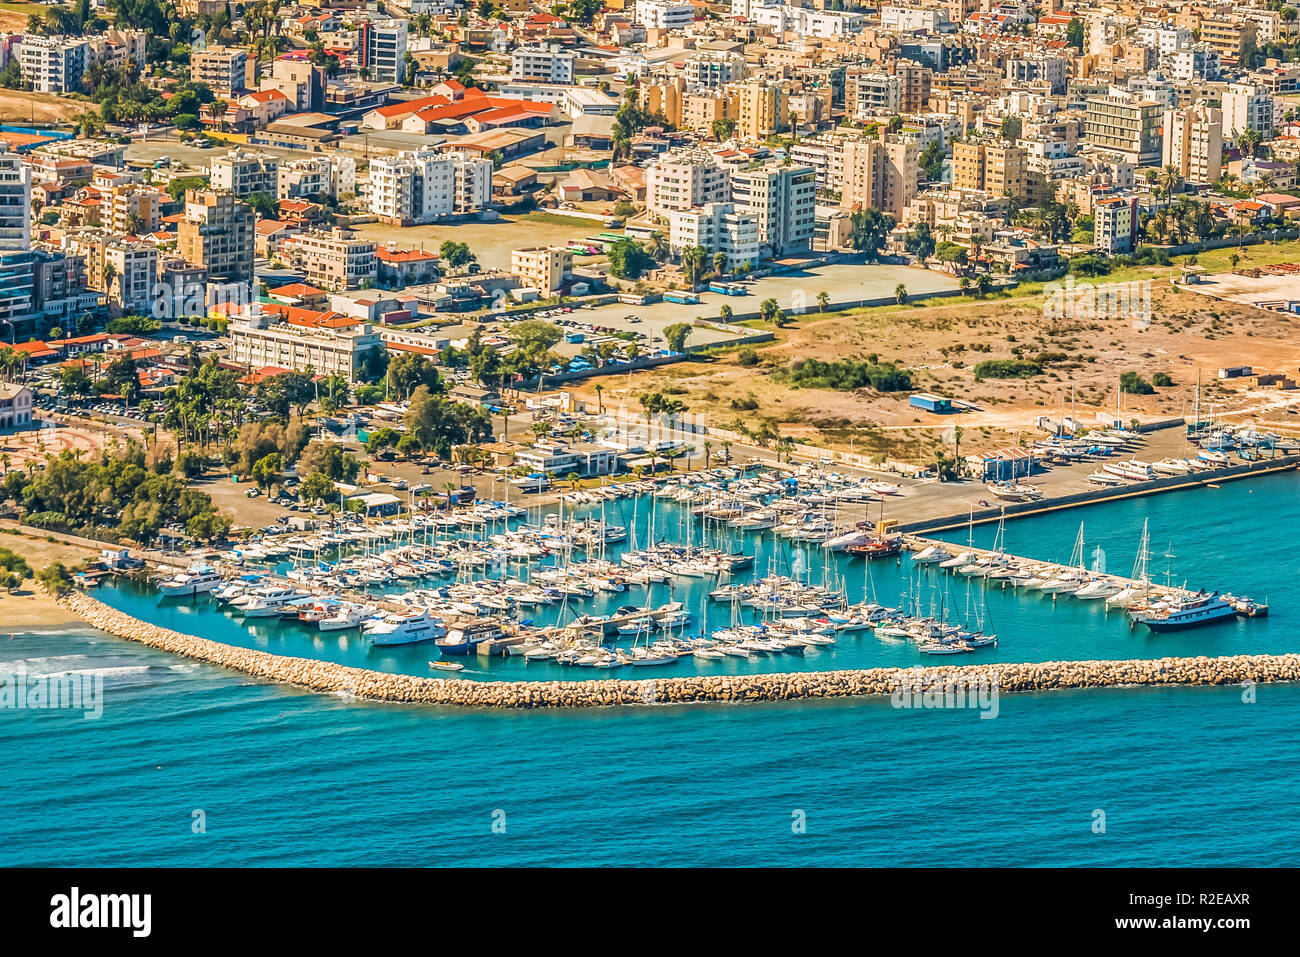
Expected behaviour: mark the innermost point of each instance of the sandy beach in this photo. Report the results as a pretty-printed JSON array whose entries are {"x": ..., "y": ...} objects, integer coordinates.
[{"x": 29, "y": 606}]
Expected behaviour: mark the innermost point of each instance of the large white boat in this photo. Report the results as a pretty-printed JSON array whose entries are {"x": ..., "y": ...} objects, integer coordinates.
[
  {"x": 346, "y": 616},
  {"x": 269, "y": 601},
  {"x": 931, "y": 554},
  {"x": 1173, "y": 466},
  {"x": 1187, "y": 613},
  {"x": 402, "y": 629},
  {"x": 197, "y": 580},
  {"x": 1132, "y": 469}
]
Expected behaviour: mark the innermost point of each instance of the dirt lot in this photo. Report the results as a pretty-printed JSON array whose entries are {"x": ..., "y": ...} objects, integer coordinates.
[
  {"x": 1083, "y": 358},
  {"x": 490, "y": 242},
  {"x": 19, "y": 107}
]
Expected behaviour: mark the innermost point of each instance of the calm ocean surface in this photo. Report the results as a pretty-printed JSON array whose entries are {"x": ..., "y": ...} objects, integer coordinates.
[{"x": 1183, "y": 776}]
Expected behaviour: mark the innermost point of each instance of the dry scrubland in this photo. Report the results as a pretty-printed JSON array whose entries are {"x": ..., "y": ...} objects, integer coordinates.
[{"x": 942, "y": 343}]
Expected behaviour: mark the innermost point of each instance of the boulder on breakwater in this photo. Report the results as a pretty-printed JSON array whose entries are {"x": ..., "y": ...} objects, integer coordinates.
[{"x": 326, "y": 676}]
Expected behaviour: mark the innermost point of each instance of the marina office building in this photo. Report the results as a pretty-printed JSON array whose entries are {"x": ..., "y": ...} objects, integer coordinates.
[{"x": 585, "y": 459}]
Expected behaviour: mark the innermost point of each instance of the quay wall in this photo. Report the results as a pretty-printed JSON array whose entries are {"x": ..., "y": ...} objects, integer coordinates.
[
  {"x": 1282, "y": 463},
  {"x": 329, "y": 677}
]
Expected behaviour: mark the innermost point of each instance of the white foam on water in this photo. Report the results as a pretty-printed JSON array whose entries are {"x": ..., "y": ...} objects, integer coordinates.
[
  {"x": 28, "y": 662},
  {"x": 118, "y": 672}
]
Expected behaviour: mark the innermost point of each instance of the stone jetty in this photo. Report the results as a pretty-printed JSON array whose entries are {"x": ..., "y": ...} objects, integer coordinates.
[{"x": 325, "y": 676}]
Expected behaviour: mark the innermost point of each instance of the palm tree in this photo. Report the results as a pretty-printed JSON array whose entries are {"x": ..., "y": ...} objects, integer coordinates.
[
  {"x": 600, "y": 403},
  {"x": 692, "y": 262},
  {"x": 900, "y": 294},
  {"x": 719, "y": 262},
  {"x": 725, "y": 313},
  {"x": 823, "y": 300},
  {"x": 1170, "y": 180},
  {"x": 708, "y": 454}
]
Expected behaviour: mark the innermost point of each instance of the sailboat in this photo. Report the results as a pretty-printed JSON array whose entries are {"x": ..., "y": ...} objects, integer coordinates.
[
  {"x": 1070, "y": 579},
  {"x": 1140, "y": 590}
]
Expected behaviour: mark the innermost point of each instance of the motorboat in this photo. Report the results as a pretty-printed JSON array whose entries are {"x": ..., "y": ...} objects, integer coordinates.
[
  {"x": 402, "y": 628},
  {"x": 931, "y": 554},
  {"x": 1099, "y": 588},
  {"x": 197, "y": 580}
]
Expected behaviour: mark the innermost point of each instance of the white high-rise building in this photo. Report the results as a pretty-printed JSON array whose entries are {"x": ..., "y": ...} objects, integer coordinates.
[
  {"x": 541, "y": 65},
  {"x": 15, "y": 201},
  {"x": 716, "y": 228},
  {"x": 53, "y": 64},
  {"x": 663, "y": 14},
  {"x": 383, "y": 48},
  {"x": 782, "y": 199},
  {"x": 682, "y": 179},
  {"x": 1247, "y": 106},
  {"x": 425, "y": 186}
]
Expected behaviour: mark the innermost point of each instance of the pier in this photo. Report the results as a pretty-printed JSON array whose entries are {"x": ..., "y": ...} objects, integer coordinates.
[{"x": 917, "y": 543}]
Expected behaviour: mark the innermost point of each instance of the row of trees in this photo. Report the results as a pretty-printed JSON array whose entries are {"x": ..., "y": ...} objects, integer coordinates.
[{"x": 121, "y": 494}]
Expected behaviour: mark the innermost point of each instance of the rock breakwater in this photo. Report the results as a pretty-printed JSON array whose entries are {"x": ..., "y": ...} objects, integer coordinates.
[{"x": 329, "y": 677}]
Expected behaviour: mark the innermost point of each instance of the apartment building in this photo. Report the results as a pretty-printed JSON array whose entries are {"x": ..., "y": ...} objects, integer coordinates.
[
  {"x": 123, "y": 268},
  {"x": 1193, "y": 142},
  {"x": 333, "y": 260},
  {"x": 129, "y": 271},
  {"x": 15, "y": 201},
  {"x": 382, "y": 48},
  {"x": 874, "y": 94},
  {"x": 805, "y": 21},
  {"x": 224, "y": 69},
  {"x": 684, "y": 178},
  {"x": 301, "y": 81},
  {"x": 1115, "y": 222},
  {"x": 423, "y": 186},
  {"x": 716, "y": 228},
  {"x": 782, "y": 199},
  {"x": 760, "y": 109},
  {"x": 53, "y": 64},
  {"x": 1230, "y": 36},
  {"x": 997, "y": 167},
  {"x": 332, "y": 176},
  {"x": 1124, "y": 124},
  {"x": 324, "y": 343},
  {"x": 135, "y": 206},
  {"x": 663, "y": 14},
  {"x": 699, "y": 111},
  {"x": 1247, "y": 106},
  {"x": 244, "y": 173},
  {"x": 880, "y": 173},
  {"x": 538, "y": 64},
  {"x": 914, "y": 81},
  {"x": 713, "y": 70},
  {"x": 544, "y": 268},
  {"x": 1039, "y": 68},
  {"x": 217, "y": 234}
]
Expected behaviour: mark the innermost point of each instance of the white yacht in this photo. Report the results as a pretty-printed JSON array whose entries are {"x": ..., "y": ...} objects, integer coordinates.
[
  {"x": 195, "y": 581},
  {"x": 394, "y": 628},
  {"x": 1132, "y": 469},
  {"x": 1099, "y": 588},
  {"x": 269, "y": 601},
  {"x": 931, "y": 554},
  {"x": 347, "y": 616}
]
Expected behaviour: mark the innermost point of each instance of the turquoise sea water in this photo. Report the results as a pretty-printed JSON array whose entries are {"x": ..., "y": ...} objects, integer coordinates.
[{"x": 1183, "y": 776}]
